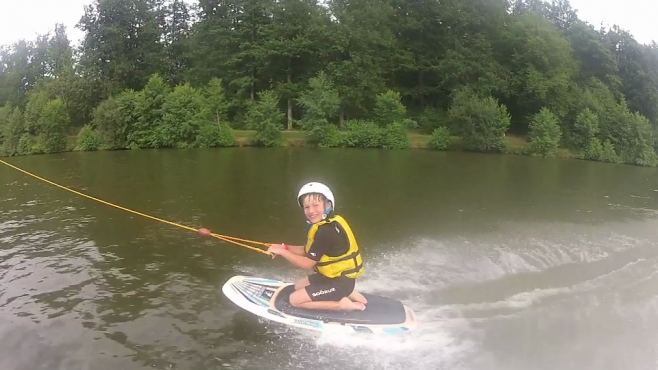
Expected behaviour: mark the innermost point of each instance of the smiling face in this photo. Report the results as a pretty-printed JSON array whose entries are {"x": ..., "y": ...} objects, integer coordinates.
[{"x": 313, "y": 205}]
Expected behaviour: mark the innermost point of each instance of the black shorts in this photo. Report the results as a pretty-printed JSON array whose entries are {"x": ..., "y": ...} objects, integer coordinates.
[{"x": 322, "y": 288}]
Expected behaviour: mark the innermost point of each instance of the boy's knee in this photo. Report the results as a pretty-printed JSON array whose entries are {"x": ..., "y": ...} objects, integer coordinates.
[
  {"x": 298, "y": 297},
  {"x": 294, "y": 302},
  {"x": 301, "y": 283}
]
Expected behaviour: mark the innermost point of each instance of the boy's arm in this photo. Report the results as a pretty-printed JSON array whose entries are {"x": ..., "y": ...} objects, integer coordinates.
[
  {"x": 300, "y": 261},
  {"x": 297, "y": 249},
  {"x": 296, "y": 254}
]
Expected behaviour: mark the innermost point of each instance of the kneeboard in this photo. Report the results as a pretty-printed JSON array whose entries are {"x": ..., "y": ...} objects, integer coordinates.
[{"x": 268, "y": 298}]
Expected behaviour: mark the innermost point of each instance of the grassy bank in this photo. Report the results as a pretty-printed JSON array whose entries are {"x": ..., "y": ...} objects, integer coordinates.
[
  {"x": 295, "y": 138},
  {"x": 298, "y": 138},
  {"x": 515, "y": 144}
]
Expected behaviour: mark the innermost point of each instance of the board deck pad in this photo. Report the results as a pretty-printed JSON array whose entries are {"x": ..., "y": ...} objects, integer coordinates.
[
  {"x": 270, "y": 299},
  {"x": 379, "y": 310}
]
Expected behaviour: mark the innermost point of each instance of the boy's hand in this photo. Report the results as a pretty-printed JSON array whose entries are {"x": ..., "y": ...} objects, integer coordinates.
[{"x": 276, "y": 249}]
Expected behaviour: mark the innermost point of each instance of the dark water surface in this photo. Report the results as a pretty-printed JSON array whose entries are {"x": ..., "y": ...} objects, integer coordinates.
[{"x": 510, "y": 262}]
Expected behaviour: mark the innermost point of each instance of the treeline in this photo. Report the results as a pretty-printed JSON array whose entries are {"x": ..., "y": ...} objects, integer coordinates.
[{"x": 164, "y": 73}]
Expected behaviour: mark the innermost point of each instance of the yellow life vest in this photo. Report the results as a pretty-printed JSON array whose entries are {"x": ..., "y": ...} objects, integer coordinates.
[{"x": 348, "y": 264}]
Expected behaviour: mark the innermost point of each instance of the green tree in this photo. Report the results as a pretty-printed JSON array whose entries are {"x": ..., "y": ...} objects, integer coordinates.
[
  {"x": 182, "y": 113},
  {"x": 320, "y": 102},
  {"x": 353, "y": 73},
  {"x": 389, "y": 109},
  {"x": 264, "y": 116},
  {"x": 148, "y": 112},
  {"x": 543, "y": 69},
  {"x": 215, "y": 101},
  {"x": 293, "y": 47},
  {"x": 545, "y": 134},
  {"x": 52, "y": 128},
  {"x": 363, "y": 54},
  {"x": 585, "y": 129},
  {"x": 115, "y": 118},
  {"x": 14, "y": 128},
  {"x": 122, "y": 44}
]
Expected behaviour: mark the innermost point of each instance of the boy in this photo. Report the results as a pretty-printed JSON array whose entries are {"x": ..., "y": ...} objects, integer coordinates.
[{"x": 331, "y": 250}]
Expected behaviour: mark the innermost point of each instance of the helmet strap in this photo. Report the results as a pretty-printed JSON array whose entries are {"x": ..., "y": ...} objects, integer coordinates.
[{"x": 326, "y": 210}]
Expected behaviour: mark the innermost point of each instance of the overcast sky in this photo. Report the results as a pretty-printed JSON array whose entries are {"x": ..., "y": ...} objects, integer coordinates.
[{"x": 27, "y": 18}]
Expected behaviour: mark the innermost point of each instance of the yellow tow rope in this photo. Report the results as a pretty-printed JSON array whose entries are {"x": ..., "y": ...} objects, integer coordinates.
[{"x": 202, "y": 231}]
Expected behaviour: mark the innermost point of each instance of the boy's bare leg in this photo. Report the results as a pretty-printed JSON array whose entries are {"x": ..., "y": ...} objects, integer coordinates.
[
  {"x": 358, "y": 297},
  {"x": 300, "y": 298}
]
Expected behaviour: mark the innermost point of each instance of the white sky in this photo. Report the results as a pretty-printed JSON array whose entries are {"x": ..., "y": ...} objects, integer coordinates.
[
  {"x": 28, "y": 18},
  {"x": 635, "y": 16}
]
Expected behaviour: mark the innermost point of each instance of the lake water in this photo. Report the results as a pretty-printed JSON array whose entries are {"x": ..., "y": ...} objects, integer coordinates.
[{"x": 509, "y": 262}]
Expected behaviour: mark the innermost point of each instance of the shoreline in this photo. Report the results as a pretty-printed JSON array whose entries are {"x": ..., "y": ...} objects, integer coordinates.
[
  {"x": 516, "y": 145},
  {"x": 296, "y": 138}
]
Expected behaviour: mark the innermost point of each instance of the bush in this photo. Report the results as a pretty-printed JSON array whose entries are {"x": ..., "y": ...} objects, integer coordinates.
[
  {"x": 395, "y": 136},
  {"x": 545, "y": 134},
  {"x": 38, "y": 98},
  {"x": 25, "y": 144},
  {"x": 88, "y": 139},
  {"x": 265, "y": 117},
  {"x": 214, "y": 134},
  {"x": 181, "y": 114},
  {"x": 269, "y": 135},
  {"x": 52, "y": 128},
  {"x": 585, "y": 128},
  {"x": 114, "y": 118},
  {"x": 608, "y": 153},
  {"x": 642, "y": 141},
  {"x": 148, "y": 106},
  {"x": 363, "y": 134},
  {"x": 324, "y": 136},
  {"x": 440, "y": 138},
  {"x": 389, "y": 108},
  {"x": 481, "y": 122},
  {"x": 13, "y": 130},
  {"x": 592, "y": 150},
  {"x": 597, "y": 151}
]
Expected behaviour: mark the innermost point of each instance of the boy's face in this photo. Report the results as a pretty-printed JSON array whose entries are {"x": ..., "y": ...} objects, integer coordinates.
[{"x": 314, "y": 208}]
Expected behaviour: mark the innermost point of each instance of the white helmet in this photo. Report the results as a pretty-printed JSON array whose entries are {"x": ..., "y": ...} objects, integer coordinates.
[{"x": 316, "y": 187}]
